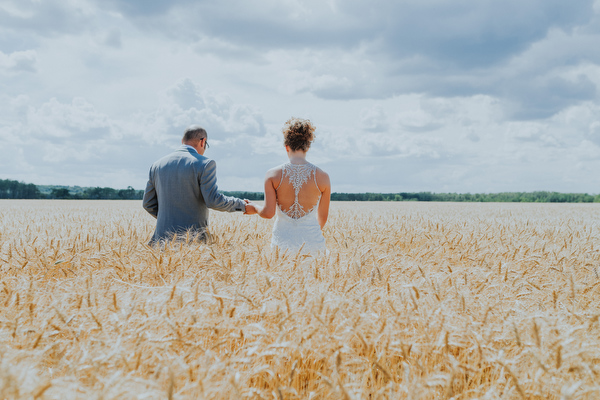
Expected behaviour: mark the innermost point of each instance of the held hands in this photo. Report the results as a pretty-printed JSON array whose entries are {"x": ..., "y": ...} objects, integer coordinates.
[{"x": 251, "y": 208}]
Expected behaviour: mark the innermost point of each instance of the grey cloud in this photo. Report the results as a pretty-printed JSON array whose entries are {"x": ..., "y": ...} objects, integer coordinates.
[
  {"x": 261, "y": 24},
  {"x": 472, "y": 136},
  {"x": 143, "y": 8},
  {"x": 465, "y": 33},
  {"x": 113, "y": 39},
  {"x": 12, "y": 40},
  {"x": 48, "y": 17},
  {"x": 542, "y": 98},
  {"x": 471, "y": 34},
  {"x": 439, "y": 48}
]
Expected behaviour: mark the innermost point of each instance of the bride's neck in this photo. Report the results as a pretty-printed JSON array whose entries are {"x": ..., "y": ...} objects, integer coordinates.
[{"x": 297, "y": 157}]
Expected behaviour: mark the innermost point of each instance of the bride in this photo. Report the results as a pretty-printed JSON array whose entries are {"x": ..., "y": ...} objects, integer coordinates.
[{"x": 298, "y": 193}]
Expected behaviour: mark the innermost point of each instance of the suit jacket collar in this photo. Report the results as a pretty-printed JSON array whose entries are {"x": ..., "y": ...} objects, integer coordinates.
[{"x": 188, "y": 148}]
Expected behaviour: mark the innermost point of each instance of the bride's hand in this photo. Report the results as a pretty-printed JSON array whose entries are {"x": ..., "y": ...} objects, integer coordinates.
[{"x": 251, "y": 208}]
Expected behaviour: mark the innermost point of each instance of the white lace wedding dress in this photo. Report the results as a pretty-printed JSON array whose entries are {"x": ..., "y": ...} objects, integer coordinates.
[{"x": 296, "y": 228}]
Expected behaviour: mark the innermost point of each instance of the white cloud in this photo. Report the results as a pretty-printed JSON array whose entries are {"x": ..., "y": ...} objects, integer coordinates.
[
  {"x": 76, "y": 136},
  {"x": 187, "y": 104},
  {"x": 374, "y": 119},
  {"x": 79, "y": 119},
  {"x": 18, "y": 61},
  {"x": 418, "y": 120},
  {"x": 594, "y": 132}
]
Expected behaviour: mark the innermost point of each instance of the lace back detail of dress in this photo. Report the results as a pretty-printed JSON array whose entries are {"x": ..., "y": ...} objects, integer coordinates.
[{"x": 298, "y": 175}]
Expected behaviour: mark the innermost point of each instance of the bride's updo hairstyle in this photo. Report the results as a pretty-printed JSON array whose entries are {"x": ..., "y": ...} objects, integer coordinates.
[{"x": 298, "y": 134}]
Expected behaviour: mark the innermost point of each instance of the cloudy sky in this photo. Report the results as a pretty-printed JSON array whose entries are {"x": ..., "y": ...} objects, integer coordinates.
[{"x": 407, "y": 95}]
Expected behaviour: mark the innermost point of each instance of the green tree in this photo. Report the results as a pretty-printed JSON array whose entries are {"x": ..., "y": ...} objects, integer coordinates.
[
  {"x": 60, "y": 193},
  {"x": 10, "y": 189}
]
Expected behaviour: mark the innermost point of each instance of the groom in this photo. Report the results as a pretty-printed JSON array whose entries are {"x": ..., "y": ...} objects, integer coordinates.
[{"x": 182, "y": 186}]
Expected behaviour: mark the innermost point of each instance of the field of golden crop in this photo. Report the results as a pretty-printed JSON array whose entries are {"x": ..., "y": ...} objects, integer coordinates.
[{"x": 414, "y": 301}]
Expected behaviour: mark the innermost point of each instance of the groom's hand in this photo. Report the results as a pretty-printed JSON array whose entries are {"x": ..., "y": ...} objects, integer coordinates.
[{"x": 250, "y": 207}]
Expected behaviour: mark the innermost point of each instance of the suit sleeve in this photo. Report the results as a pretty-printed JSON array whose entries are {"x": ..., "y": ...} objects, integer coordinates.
[
  {"x": 150, "y": 202},
  {"x": 212, "y": 197}
]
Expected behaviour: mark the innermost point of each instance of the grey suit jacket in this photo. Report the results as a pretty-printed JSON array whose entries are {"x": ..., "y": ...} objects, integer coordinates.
[{"x": 182, "y": 186}]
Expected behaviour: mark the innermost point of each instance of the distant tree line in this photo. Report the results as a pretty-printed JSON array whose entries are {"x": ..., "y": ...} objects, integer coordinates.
[
  {"x": 18, "y": 190},
  {"x": 505, "y": 197},
  {"x": 97, "y": 193}
]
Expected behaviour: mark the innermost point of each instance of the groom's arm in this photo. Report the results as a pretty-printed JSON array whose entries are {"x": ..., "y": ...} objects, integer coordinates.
[
  {"x": 150, "y": 202},
  {"x": 212, "y": 197}
]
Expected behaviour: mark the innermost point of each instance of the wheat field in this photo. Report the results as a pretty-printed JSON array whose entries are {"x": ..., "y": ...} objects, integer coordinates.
[{"x": 413, "y": 301}]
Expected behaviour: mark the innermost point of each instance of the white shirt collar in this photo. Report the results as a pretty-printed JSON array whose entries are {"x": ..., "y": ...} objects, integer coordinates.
[{"x": 189, "y": 147}]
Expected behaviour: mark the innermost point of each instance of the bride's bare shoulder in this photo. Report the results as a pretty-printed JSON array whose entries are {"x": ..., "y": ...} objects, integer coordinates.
[
  {"x": 274, "y": 173},
  {"x": 322, "y": 178},
  {"x": 320, "y": 172}
]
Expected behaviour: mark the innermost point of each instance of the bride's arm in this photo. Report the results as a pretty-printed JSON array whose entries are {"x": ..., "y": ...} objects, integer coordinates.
[
  {"x": 268, "y": 208},
  {"x": 325, "y": 187}
]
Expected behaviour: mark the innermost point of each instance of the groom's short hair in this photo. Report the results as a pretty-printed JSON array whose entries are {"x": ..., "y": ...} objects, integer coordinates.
[{"x": 194, "y": 133}]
